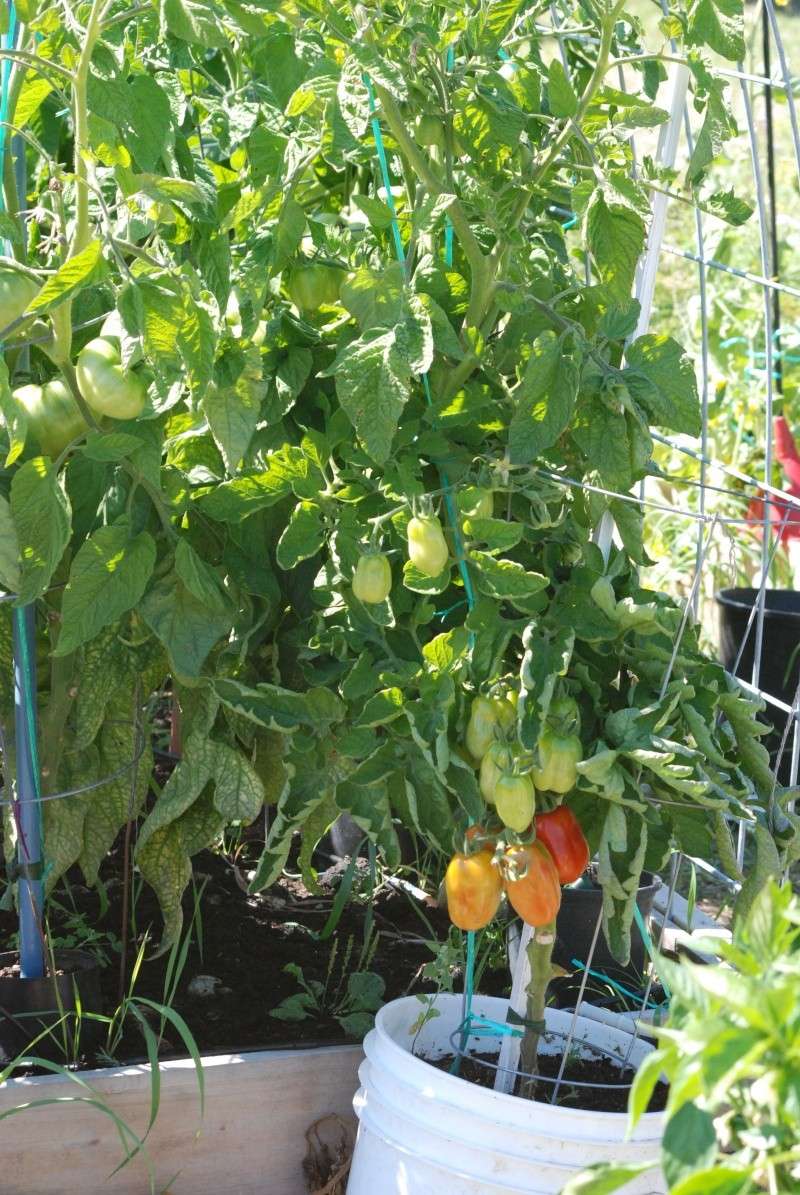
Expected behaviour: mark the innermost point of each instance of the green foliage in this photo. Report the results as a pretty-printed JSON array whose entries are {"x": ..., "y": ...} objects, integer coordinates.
[
  {"x": 221, "y": 155},
  {"x": 730, "y": 1052},
  {"x": 349, "y": 993}
]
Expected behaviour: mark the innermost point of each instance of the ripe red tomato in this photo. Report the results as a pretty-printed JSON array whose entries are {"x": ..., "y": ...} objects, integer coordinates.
[
  {"x": 532, "y": 884},
  {"x": 474, "y": 887},
  {"x": 560, "y": 833}
]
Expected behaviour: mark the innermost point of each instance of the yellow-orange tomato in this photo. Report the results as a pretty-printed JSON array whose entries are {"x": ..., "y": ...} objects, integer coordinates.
[
  {"x": 532, "y": 884},
  {"x": 473, "y": 887}
]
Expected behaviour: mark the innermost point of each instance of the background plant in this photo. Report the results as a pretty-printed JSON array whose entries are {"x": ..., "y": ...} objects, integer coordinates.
[{"x": 730, "y": 1054}]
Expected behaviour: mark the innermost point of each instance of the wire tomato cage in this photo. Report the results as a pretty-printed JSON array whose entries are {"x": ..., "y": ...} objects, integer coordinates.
[{"x": 755, "y": 90}]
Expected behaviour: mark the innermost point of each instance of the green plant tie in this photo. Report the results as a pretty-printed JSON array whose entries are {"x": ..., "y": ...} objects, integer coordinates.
[
  {"x": 649, "y": 944},
  {"x": 452, "y": 514},
  {"x": 401, "y": 257},
  {"x": 612, "y": 983}
]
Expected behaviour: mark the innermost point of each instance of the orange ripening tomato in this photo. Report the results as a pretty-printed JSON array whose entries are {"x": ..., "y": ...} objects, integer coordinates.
[
  {"x": 536, "y": 895},
  {"x": 560, "y": 833},
  {"x": 473, "y": 887}
]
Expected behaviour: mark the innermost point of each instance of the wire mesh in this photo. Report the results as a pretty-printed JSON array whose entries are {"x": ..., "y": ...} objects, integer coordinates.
[{"x": 756, "y": 86}]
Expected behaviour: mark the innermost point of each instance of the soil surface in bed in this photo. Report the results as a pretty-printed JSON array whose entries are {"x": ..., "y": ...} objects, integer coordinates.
[{"x": 240, "y": 946}]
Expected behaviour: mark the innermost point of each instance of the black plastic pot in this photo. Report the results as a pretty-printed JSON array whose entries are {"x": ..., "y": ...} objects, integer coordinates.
[
  {"x": 30, "y": 1006},
  {"x": 577, "y": 917},
  {"x": 780, "y": 658}
]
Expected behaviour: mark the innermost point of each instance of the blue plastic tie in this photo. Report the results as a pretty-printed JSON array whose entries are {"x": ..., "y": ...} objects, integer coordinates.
[{"x": 29, "y": 809}]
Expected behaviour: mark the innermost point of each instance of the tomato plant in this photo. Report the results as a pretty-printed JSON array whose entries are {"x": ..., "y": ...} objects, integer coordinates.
[
  {"x": 559, "y": 756},
  {"x": 314, "y": 285},
  {"x": 251, "y": 423},
  {"x": 51, "y": 416},
  {"x": 427, "y": 547},
  {"x": 17, "y": 290},
  {"x": 107, "y": 387},
  {"x": 515, "y": 801},
  {"x": 481, "y": 728},
  {"x": 497, "y": 761}
]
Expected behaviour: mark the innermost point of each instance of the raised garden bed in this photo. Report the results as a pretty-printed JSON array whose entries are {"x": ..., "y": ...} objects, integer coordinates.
[{"x": 250, "y": 1141}]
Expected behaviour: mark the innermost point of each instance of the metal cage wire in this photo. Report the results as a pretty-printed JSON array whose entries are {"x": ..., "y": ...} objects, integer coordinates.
[{"x": 752, "y": 88}]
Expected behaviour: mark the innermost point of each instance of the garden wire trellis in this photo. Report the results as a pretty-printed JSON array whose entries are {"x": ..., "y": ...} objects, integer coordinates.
[{"x": 755, "y": 89}]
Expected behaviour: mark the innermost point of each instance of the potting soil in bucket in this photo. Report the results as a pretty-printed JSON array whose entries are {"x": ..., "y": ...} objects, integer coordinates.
[{"x": 423, "y": 1131}]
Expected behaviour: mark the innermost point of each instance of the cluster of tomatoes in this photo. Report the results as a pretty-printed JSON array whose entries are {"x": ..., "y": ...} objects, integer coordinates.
[
  {"x": 427, "y": 551},
  {"x": 530, "y": 873},
  {"x": 52, "y": 417}
]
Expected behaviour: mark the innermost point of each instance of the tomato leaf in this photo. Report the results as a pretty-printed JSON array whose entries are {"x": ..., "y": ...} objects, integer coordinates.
[
  {"x": 70, "y": 278},
  {"x": 373, "y": 379},
  {"x": 543, "y": 400},
  {"x": 661, "y": 378},
  {"x": 10, "y": 574},
  {"x": 108, "y": 576},
  {"x": 184, "y": 624},
  {"x": 615, "y": 234},
  {"x": 302, "y": 537},
  {"x": 560, "y": 92},
  {"x": 41, "y": 514}
]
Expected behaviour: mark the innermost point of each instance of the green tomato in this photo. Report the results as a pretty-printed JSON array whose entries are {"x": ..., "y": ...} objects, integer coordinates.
[
  {"x": 481, "y": 728},
  {"x": 430, "y": 130},
  {"x": 372, "y": 580},
  {"x": 515, "y": 801},
  {"x": 314, "y": 285},
  {"x": 475, "y": 502},
  {"x": 559, "y": 755},
  {"x": 53, "y": 417},
  {"x": 497, "y": 760},
  {"x": 106, "y": 387},
  {"x": 17, "y": 290},
  {"x": 112, "y": 329},
  {"x": 506, "y": 712},
  {"x": 427, "y": 547}
]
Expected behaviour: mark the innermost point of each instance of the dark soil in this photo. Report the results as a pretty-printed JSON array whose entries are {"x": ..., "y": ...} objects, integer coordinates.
[
  {"x": 243, "y": 943},
  {"x": 480, "y": 1069}
]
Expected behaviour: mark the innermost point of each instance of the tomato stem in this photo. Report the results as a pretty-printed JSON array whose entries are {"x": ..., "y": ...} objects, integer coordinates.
[{"x": 540, "y": 956}]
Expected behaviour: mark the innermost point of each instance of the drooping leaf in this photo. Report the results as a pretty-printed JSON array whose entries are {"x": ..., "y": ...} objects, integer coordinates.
[
  {"x": 662, "y": 380},
  {"x": 186, "y": 626},
  {"x": 41, "y": 514},
  {"x": 544, "y": 400},
  {"x": 615, "y": 234},
  {"x": 9, "y": 549},
  {"x": 108, "y": 576},
  {"x": 373, "y": 383}
]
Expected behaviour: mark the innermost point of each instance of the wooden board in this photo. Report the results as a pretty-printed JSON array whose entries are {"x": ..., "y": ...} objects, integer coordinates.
[{"x": 250, "y": 1141}]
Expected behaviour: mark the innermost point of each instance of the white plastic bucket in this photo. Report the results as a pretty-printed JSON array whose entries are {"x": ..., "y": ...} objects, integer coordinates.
[{"x": 425, "y": 1132}]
